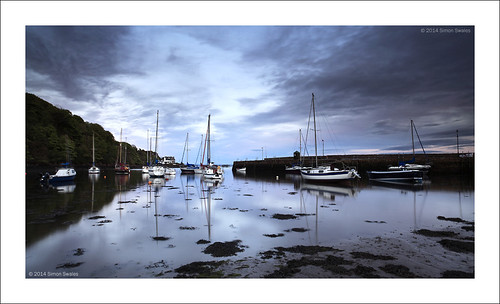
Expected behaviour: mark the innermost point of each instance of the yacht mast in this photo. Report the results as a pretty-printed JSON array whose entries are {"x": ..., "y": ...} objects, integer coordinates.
[
  {"x": 120, "y": 145},
  {"x": 156, "y": 140},
  {"x": 208, "y": 140},
  {"x": 412, "y": 141},
  {"x": 315, "y": 142},
  {"x": 300, "y": 147},
  {"x": 93, "y": 150}
]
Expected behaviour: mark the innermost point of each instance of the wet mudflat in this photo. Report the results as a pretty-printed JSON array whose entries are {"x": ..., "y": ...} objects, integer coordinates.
[{"x": 110, "y": 226}]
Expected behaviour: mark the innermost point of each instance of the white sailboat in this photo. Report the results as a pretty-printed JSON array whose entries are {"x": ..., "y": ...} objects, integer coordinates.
[
  {"x": 211, "y": 171},
  {"x": 93, "y": 169},
  {"x": 325, "y": 173},
  {"x": 156, "y": 170}
]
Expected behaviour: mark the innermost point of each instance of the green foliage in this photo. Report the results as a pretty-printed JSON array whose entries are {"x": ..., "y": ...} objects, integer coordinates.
[{"x": 55, "y": 135}]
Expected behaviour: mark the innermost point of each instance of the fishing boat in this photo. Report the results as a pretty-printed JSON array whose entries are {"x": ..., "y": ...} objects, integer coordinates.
[
  {"x": 156, "y": 170},
  {"x": 410, "y": 164},
  {"x": 63, "y": 174},
  {"x": 121, "y": 167},
  {"x": 211, "y": 171},
  {"x": 93, "y": 169},
  {"x": 325, "y": 173}
]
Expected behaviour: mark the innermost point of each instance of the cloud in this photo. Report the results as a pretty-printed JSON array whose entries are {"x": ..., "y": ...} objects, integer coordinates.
[{"x": 369, "y": 82}]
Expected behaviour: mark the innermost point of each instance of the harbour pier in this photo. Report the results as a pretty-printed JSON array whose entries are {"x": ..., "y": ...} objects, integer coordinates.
[{"x": 442, "y": 164}]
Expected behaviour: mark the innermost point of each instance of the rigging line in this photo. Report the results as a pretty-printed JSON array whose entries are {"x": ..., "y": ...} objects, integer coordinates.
[
  {"x": 305, "y": 146},
  {"x": 418, "y": 138},
  {"x": 307, "y": 130},
  {"x": 331, "y": 135},
  {"x": 183, "y": 151},
  {"x": 199, "y": 150}
]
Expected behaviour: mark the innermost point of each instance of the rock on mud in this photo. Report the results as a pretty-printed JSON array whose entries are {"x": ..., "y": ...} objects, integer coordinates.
[
  {"x": 219, "y": 249},
  {"x": 280, "y": 216}
]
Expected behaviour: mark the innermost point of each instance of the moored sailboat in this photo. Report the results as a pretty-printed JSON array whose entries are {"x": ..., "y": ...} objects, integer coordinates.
[
  {"x": 93, "y": 169},
  {"x": 156, "y": 170},
  {"x": 410, "y": 164},
  {"x": 325, "y": 173},
  {"x": 121, "y": 168},
  {"x": 189, "y": 168},
  {"x": 295, "y": 168},
  {"x": 407, "y": 172},
  {"x": 211, "y": 171}
]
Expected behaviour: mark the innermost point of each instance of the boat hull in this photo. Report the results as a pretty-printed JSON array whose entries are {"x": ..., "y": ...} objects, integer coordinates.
[
  {"x": 58, "y": 179},
  {"x": 213, "y": 173},
  {"x": 328, "y": 175},
  {"x": 156, "y": 171},
  {"x": 122, "y": 169},
  {"x": 62, "y": 175},
  {"x": 187, "y": 170},
  {"x": 94, "y": 170},
  {"x": 403, "y": 175},
  {"x": 170, "y": 171}
]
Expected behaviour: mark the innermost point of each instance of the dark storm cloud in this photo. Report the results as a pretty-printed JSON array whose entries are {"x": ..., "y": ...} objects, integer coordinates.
[
  {"x": 371, "y": 63},
  {"x": 388, "y": 73},
  {"x": 76, "y": 59}
]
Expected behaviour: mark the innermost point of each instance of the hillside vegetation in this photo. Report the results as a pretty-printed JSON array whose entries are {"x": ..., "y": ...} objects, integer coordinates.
[{"x": 54, "y": 134}]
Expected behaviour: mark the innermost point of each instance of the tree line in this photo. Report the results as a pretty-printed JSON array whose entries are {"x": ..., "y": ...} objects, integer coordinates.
[{"x": 55, "y": 135}]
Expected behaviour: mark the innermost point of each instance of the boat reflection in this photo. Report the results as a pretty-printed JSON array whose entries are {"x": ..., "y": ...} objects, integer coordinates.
[
  {"x": 170, "y": 177},
  {"x": 410, "y": 186},
  {"x": 212, "y": 184},
  {"x": 157, "y": 183},
  {"x": 60, "y": 187},
  {"x": 121, "y": 179},
  {"x": 93, "y": 179},
  {"x": 207, "y": 187},
  {"x": 153, "y": 188},
  {"x": 328, "y": 191}
]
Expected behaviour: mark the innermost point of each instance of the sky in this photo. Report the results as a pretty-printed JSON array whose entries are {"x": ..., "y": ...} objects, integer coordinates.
[{"x": 256, "y": 82}]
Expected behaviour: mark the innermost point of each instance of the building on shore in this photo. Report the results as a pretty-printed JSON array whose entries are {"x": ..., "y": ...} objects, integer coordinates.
[{"x": 168, "y": 160}]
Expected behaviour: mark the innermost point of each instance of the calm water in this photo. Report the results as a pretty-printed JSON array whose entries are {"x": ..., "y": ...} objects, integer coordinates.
[{"x": 185, "y": 209}]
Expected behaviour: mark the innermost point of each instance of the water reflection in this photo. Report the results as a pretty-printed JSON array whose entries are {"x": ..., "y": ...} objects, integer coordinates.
[
  {"x": 329, "y": 191},
  {"x": 188, "y": 208},
  {"x": 60, "y": 186},
  {"x": 93, "y": 179}
]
